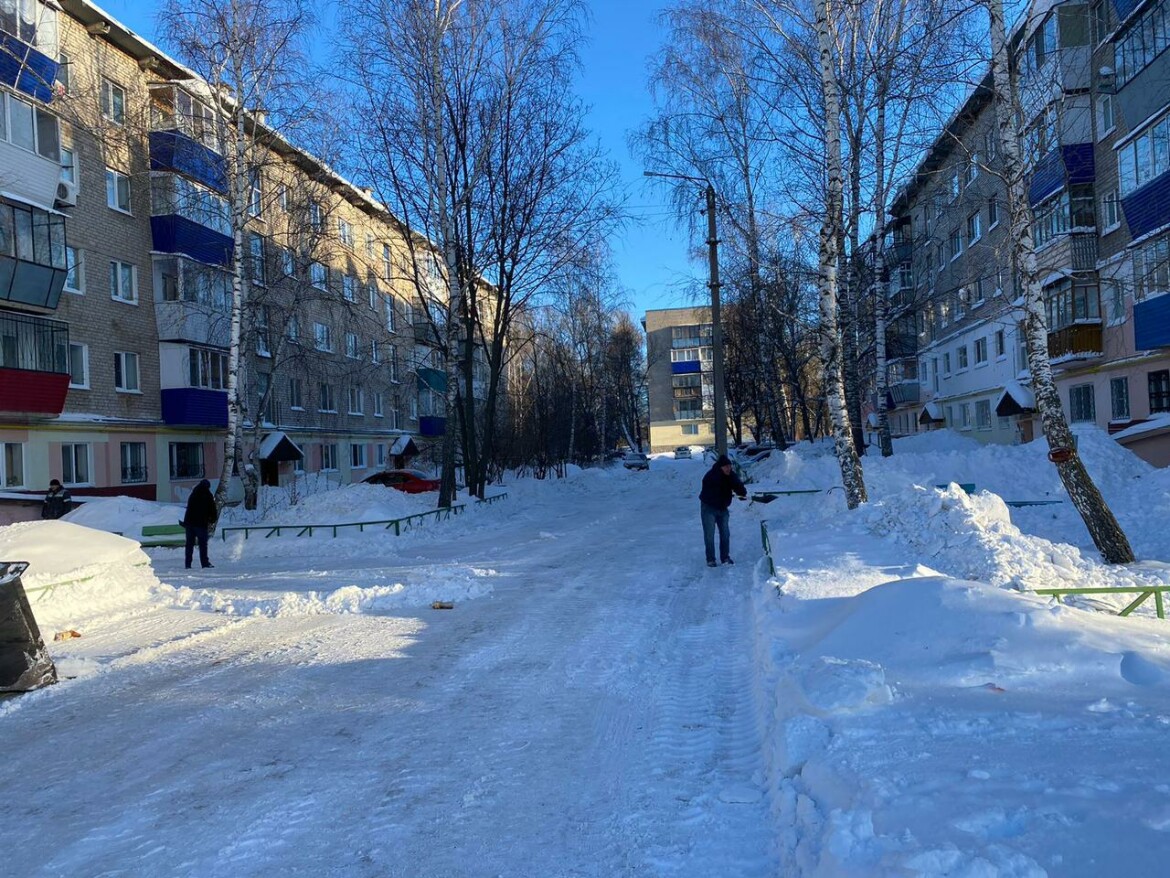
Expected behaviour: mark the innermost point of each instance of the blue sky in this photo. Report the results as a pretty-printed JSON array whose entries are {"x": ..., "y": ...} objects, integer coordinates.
[{"x": 651, "y": 253}]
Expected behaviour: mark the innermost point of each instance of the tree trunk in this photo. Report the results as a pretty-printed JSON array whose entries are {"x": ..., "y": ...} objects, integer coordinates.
[{"x": 1103, "y": 527}]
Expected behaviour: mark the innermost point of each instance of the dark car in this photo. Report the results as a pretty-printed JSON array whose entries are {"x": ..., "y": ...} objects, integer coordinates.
[
  {"x": 412, "y": 481},
  {"x": 636, "y": 460}
]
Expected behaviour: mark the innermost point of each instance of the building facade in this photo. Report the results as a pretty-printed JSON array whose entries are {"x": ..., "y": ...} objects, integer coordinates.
[
  {"x": 116, "y": 251},
  {"x": 679, "y": 377},
  {"x": 1099, "y": 219}
]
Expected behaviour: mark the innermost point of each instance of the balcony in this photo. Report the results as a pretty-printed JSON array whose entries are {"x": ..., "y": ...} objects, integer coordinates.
[
  {"x": 688, "y": 392},
  {"x": 431, "y": 425},
  {"x": 897, "y": 251},
  {"x": 189, "y": 219},
  {"x": 1083, "y": 251},
  {"x": 686, "y": 367},
  {"x": 194, "y": 407},
  {"x": 1080, "y": 340},
  {"x": 177, "y": 152},
  {"x": 1151, "y": 323},
  {"x": 25, "y": 69},
  {"x": 34, "y": 371},
  {"x": 32, "y": 255}
]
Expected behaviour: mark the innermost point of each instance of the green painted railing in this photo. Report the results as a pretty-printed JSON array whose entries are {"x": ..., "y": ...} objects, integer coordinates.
[
  {"x": 1143, "y": 593},
  {"x": 767, "y": 547},
  {"x": 398, "y": 525}
]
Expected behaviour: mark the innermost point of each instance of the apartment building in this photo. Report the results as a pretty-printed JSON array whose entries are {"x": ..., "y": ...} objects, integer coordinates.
[
  {"x": 115, "y": 288},
  {"x": 679, "y": 377},
  {"x": 1097, "y": 244}
]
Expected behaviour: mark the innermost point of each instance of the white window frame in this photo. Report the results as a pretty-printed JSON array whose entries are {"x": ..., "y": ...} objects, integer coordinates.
[
  {"x": 326, "y": 401},
  {"x": 329, "y": 457},
  {"x": 349, "y": 288},
  {"x": 319, "y": 275},
  {"x": 112, "y": 102},
  {"x": 128, "y": 365},
  {"x": 356, "y": 401},
  {"x": 357, "y": 455},
  {"x": 6, "y": 478},
  {"x": 296, "y": 394},
  {"x": 345, "y": 232},
  {"x": 118, "y": 183},
  {"x": 118, "y": 282},
  {"x": 323, "y": 337},
  {"x": 70, "y": 451},
  {"x": 378, "y": 405},
  {"x": 83, "y": 349},
  {"x": 75, "y": 265},
  {"x": 353, "y": 348},
  {"x": 981, "y": 346},
  {"x": 1111, "y": 210},
  {"x": 1106, "y": 115}
]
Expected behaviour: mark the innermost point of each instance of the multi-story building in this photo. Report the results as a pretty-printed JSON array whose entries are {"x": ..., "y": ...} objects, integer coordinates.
[
  {"x": 679, "y": 377},
  {"x": 950, "y": 262},
  {"x": 115, "y": 281}
]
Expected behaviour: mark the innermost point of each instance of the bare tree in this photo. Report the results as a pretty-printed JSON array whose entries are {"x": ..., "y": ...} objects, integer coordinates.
[
  {"x": 252, "y": 58},
  {"x": 1103, "y": 527}
]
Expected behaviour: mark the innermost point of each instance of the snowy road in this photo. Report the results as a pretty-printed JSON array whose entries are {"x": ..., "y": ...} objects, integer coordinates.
[{"x": 592, "y": 716}]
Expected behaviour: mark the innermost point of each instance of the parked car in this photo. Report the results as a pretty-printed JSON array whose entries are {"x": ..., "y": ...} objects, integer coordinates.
[
  {"x": 410, "y": 481},
  {"x": 683, "y": 452},
  {"x": 636, "y": 460},
  {"x": 758, "y": 448}
]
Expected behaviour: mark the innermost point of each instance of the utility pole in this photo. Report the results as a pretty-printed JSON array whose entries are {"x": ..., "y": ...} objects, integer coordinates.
[
  {"x": 718, "y": 393},
  {"x": 716, "y": 326}
]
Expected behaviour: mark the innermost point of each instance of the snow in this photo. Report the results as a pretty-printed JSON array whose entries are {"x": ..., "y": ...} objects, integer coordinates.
[{"x": 895, "y": 700}]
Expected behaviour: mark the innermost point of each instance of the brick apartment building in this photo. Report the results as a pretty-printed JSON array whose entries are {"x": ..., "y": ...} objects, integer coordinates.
[
  {"x": 1097, "y": 129},
  {"x": 115, "y": 291}
]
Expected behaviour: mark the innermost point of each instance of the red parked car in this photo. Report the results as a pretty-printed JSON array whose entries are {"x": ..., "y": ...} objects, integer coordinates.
[{"x": 412, "y": 481}]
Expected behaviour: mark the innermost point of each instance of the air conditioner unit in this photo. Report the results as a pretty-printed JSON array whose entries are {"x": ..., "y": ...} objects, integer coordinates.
[{"x": 66, "y": 192}]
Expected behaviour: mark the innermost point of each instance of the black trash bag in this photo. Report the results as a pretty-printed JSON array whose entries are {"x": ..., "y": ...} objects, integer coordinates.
[{"x": 24, "y": 662}]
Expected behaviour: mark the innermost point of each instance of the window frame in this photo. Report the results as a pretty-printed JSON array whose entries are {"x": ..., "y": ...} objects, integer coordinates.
[
  {"x": 122, "y": 372},
  {"x": 117, "y": 282},
  {"x": 114, "y": 189}
]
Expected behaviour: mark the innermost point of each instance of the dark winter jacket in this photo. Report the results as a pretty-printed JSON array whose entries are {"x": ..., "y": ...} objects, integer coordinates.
[
  {"x": 201, "y": 511},
  {"x": 718, "y": 487},
  {"x": 57, "y": 503}
]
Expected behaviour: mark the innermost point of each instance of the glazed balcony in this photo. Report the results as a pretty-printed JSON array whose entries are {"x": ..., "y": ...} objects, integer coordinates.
[
  {"x": 34, "y": 368},
  {"x": 1078, "y": 341}
]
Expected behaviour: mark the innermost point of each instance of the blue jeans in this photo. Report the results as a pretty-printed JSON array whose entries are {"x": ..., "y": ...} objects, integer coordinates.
[{"x": 714, "y": 517}]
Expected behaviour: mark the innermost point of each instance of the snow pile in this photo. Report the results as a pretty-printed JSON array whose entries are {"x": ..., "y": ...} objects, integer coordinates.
[{"x": 77, "y": 574}]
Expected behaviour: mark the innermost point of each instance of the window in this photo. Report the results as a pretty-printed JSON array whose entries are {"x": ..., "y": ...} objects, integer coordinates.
[
  {"x": 287, "y": 264},
  {"x": 265, "y": 399},
  {"x": 256, "y": 258},
  {"x": 318, "y": 275},
  {"x": 974, "y": 228},
  {"x": 328, "y": 403},
  {"x": 1146, "y": 157},
  {"x": 323, "y": 337},
  {"x": 1115, "y": 295},
  {"x": 370, "y": 246},
  {"x": 390, "y": 314},
  {"x": 296, "y": 398},
  {"x": 983, "y": 414},
  {"x": 133, "y": 456},
  {"x": 393, "y": 364},
  {"x": 117, "y": 191},
  {"x": 126, "y": 372},
  {"x": 1159, "y": 387},
  {"x": 293, "y": 333},
  {"x": 328, "y": 457},
  {"x": 124, "y": 282},
  {"x": 75, "y": 463},
  {"x": 207, "y": 368},
  {"x": 1144, "y": 41},
  {"x": 357, "y": 455},
  {"x": 349, "y": 288},
  {"x": 29, "y": 127},
  {"x": 315, "y": 216},
  {"x": 263, "y": 346},
  {"x": 372, "y": 295},
  {"x": 956, "y": 187},
  {"x": 282, "y": 197},
  {"x": 962, "y": 355},
  {"x": 352, "y": 346},
  {"x": 690, "y": 429},
  {"x": 387, "y": 265},
  {"x": 356, "y": 401},
  {"x": 378, "y": 409},
  {"x": 980, "y": 351},
  {"x": 965, "y": 416},
  {"x": 1000, "y": 350},
  {"x": 1080, "y": 403},
  {"x": 74, "y": 270},
  {"x": 64, "y": 64},
  {"x": 1119, "y": 399},
  {"x": 1105, "y": 122},
  {"x": 78, "y": 366},
  {"x": 380, "y": 453},
  {"x": 1067, "y": 302},
  {"x": 113, "y": 100},
  {"x": 375, "y": 353},
  {"x": 68, "y": 166},
  {"x": 186, "y": 459},
  {"x": 992, "y": 212},
  {"x": 947, "y": 363},
  {"x": 345, "y": 233},
  {"x": 1111, "y": 210},
  {"x": 971, "y": 169},
  {"x": 12, "y": 465},
  {"x": 1151, "y": 267},
  {"x": 255, "y": 194}
]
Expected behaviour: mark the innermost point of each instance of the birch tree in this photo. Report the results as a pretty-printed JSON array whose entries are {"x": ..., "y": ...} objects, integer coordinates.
[
  {"x": 251, "y": 55},
  {"x": 1103, "y": 527}
]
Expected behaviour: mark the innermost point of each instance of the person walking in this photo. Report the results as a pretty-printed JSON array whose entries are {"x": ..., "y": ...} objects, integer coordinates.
[
  {"x": 719, "y": 484},
  {"x": 57, "y": 501},
  {"x": 197, "y": 521}
]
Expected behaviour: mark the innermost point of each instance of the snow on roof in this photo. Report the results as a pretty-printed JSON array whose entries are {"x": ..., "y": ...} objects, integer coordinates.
[{"x": 1154, "y": 424}]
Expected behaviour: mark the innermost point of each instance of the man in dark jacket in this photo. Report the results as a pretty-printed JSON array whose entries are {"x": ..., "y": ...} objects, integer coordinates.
[
  {"x": 719, "y": 484},
  {"x": 57, "y": 501},
  {"x": 198, "y": 519}
]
